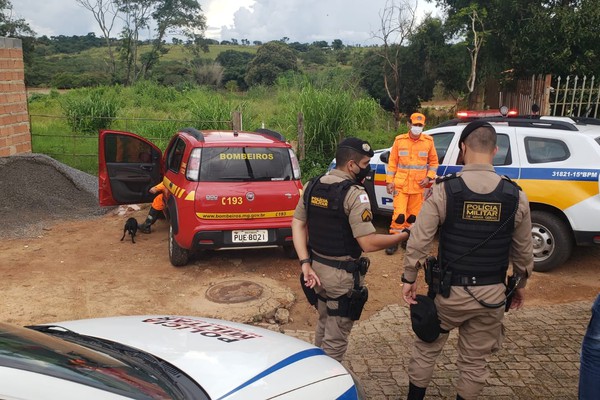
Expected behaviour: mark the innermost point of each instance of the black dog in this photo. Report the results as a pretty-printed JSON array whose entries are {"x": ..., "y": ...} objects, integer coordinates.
[{"x": 131, "y": 227}]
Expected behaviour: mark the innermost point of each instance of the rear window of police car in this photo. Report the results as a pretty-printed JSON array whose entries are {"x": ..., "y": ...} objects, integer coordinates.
[{"x": 243, "y": 164}]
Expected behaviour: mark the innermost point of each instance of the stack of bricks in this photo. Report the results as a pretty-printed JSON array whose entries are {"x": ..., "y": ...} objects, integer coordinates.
[{"x": 15, "y": 136}]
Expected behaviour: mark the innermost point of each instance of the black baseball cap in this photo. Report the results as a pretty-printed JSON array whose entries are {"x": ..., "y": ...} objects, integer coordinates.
[
  {"x": 424, "y": 319},
  {"x": 361, "y": 146},
  {"x": 471, "y": 127}
]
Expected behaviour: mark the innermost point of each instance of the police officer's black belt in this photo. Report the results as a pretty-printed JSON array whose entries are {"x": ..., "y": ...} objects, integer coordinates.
[
  {"x": 467, "y": 280},
  {"x": 349, "y": 266}
]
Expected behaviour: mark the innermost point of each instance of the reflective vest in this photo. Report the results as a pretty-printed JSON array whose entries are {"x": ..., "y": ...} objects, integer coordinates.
[
  {"x": 329, "y": 231},
  {"x": 471, "y": 218},
  {"x": 411, "y": 161}
]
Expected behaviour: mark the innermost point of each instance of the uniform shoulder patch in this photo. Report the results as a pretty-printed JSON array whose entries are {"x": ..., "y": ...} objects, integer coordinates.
[
  {"x": 366, "y": 215},
  {"x": 445, "y": 178},
  {"x": 363, "y": 198}
]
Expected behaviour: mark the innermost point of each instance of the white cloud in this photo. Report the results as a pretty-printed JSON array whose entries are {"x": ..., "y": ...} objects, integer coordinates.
[{"x": 305, "y": 21}]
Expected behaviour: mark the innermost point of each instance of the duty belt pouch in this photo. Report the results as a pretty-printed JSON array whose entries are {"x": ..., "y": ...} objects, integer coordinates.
[
  {"x": 310, "y": 294},
  {"x": 358, "y": 298}
]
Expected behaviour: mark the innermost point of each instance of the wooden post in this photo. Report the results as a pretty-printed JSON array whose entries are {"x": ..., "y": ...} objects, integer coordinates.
[
  {"x": 236, "y": 121},
  {"x": 301, "y": 143}
]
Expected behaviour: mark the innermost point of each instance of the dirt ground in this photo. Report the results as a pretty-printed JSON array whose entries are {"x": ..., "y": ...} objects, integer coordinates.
[{"x": 81, "y": 269}]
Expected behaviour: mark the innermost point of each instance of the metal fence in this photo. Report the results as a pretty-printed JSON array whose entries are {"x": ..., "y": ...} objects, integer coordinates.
[{"x": 575, "y": 96}]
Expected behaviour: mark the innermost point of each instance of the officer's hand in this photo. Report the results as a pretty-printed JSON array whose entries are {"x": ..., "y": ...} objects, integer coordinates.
[
  {"x": 518, "y": 299},
  {"x": 390, "y": 188},
  {"x": 424, "y": 182},
  {"x": 409, "y": 292},
  {"x": 310, "y": 276}
]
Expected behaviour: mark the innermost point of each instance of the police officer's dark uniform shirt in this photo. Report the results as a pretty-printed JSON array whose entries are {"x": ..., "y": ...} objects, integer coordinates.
[
  {"x": 480, "y": 178},
  {"x": 356, "y": 205}
]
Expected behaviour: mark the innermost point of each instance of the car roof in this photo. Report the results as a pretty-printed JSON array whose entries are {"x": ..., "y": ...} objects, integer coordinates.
[{"x": 262, "y": 137}]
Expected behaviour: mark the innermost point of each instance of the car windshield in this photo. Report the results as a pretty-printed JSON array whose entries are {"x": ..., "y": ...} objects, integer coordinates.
[
  {"x": 241, "y": 164},
  {"x": 26, "y": 349}
]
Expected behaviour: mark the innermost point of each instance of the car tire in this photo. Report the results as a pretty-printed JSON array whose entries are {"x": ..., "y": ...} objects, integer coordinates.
[
  {"x": 552, "y": 241},
  {"x": 290, "y": 251},
  {"x": 177, "y": 255}
]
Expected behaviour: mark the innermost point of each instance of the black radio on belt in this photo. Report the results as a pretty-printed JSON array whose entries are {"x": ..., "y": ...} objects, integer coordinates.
[
  {"x": 438, "y": 279},
  {"x": 363, "y": 265}
]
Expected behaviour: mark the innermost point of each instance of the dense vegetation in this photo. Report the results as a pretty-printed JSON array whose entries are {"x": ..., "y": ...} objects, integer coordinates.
[{"x": 341, "y": 90}]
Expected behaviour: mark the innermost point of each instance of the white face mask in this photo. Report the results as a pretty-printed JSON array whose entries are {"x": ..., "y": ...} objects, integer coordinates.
[{"x": 416, "y": 130}]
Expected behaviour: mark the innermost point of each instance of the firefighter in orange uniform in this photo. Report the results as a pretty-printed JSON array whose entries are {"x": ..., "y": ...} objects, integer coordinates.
[
  {"x": 156, "y": 210},
  {"x": 411, "y": 168}
]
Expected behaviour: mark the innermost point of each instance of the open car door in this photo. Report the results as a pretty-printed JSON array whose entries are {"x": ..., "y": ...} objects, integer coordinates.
[{"x": 128, "y": 166}]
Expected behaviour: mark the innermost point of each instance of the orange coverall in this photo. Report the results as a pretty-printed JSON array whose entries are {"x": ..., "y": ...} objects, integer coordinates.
[
  {"x": 411, "y": 161},
  {"x": 158, "y": 202}
]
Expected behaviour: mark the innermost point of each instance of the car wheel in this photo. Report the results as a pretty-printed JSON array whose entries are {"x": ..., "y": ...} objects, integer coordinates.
[
  {"x": 177, "y": 255},
  {"x": 552, "y": 241},
  {"x": 290, "y": 251}
]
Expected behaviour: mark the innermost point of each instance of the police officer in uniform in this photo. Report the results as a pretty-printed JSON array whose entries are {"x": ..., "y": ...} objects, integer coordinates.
[
  {"x": 485, "y": 224},
  {"x": 331, "y": 228}
]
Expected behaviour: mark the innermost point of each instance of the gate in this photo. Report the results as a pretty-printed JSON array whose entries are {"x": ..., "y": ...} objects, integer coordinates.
[
  {"x": 575, "y": 97},
  {"x": 524, "y": 93}
]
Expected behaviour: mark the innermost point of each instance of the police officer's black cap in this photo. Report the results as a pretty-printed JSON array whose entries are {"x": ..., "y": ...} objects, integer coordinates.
[
  {"x": 424, "y": 319},
  {"x": 471, "y": 127},
  {"x": 361, "y": 146}
]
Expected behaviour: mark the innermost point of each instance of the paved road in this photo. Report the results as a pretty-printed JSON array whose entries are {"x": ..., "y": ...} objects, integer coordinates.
[{"x": 539, "y": 359}]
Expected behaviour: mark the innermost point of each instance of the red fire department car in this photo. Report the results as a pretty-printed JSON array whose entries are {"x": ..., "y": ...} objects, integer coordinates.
[{"x": 226, "y": 189}]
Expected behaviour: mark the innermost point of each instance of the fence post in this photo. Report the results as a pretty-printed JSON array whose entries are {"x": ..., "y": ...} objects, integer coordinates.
[
  {"x": 545, "y": 106},
  {"x": 301, "y": 143},
  {"x": 236, "y": 121}
]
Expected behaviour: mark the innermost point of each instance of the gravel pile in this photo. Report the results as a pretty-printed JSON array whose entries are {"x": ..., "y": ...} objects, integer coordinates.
[{"x": 36, "y": 190}]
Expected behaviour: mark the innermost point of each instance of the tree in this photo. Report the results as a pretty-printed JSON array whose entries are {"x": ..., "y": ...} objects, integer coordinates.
[
  {"x": 105, "y": 13},
  {"x": 136, "y": 16},
  {"x": 337, "y": 44},
  {"x": 173, "y": 16},
  {"x": 271, "y": 60},
  {"x": 10, "y": 26},
  {"x": 235, "y": 64},
  {"x": 397, "y": 24}
]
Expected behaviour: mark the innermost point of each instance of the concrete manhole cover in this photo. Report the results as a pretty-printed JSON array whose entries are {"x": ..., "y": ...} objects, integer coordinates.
[{"x": 234, "y": 292}]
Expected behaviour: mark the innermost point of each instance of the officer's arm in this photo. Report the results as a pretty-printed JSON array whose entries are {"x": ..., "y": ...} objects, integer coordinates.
[
  {"x": 522, "y": 246},
  {"x": 378, "y": 241},
  {"x": 392, "y": 163},
  {"x": 433, "y": 163},
  {"x": 299, "y": 236}
]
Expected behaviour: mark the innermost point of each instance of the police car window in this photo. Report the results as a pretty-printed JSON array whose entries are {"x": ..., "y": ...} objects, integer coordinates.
[
  {"x": 503, "y": 156},
  {"x": 442, "y": 143},
  {"x": 175, "y": 155},
  {"x": 241, "y": 164},
  {"x": 543, "y": 150}
]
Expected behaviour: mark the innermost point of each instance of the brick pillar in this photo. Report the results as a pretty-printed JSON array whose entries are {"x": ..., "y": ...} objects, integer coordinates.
[{"x": 15, "y": 136}]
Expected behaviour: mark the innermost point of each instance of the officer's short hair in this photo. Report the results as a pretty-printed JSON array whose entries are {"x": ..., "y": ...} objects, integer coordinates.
[
  {"x": 479, "y": 135},
  {"x": 352, "y": 149}
]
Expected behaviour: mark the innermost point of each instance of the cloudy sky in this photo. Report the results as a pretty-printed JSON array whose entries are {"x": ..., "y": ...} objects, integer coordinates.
[{"x": 305, "y": 21}]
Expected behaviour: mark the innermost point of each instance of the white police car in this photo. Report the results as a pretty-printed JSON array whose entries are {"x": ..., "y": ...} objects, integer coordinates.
[
  {"x": 164, "y": 357},
  {"x": 556, "y": 161}
]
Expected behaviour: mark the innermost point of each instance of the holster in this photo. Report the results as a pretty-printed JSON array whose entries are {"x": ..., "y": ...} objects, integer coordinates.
[
  {"x": 350, "y": 305},
  {"x": 439, "y": 280},
  {"x": 310, "y": 293},
  {"x": 511, "y": 287}
]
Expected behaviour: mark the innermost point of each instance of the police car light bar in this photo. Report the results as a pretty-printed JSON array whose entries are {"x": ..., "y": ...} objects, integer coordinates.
[{"x": 486, "y": 113}]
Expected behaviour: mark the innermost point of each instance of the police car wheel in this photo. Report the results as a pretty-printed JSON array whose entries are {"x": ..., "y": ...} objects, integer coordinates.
[
  {"x": 552, "y": 241},
  {"x": 290, "y": 252},
  {"x": 177, "y": 255}
]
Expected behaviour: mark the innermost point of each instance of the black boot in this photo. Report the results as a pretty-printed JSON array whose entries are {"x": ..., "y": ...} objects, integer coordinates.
[
  {"x": 391, "y": 250},
  {"x": 459, "y": 397},
  {"x": 415, "y": 392},
  {"x": 145, "y": 227}
]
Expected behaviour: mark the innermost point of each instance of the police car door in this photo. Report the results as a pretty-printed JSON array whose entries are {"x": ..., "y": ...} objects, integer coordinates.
[{"x": 128, "y": 166}]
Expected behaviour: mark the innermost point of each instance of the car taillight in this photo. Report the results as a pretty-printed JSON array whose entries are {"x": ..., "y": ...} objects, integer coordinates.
[
  {"x": 193, "y": 165},
  {"x": 295, "y": 164}
]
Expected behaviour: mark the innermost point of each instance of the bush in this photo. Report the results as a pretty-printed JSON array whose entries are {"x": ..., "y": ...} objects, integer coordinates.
[{"x": 90, "y": 112}]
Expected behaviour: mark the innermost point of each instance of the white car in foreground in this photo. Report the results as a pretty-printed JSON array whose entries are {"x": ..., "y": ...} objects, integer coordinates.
[{"x": 164, "y": 357}]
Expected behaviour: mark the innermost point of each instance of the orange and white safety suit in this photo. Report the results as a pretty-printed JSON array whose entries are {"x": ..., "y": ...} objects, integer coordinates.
[{"x": 411, "y": 161}]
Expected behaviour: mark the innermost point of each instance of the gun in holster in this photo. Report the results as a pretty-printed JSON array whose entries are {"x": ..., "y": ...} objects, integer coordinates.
[
  {"x": 310, "y": 293},
  {"x": 357, "y": 299},
  {"x": 437, "y": 278},
  {"x": 511, "y": 287}
]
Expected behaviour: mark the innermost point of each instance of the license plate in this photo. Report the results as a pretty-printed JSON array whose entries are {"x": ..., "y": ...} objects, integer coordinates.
[{"x": 257, "y": 236}]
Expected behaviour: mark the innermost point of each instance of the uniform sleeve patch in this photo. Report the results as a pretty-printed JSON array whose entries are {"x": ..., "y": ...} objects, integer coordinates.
[
  {"x": 366, "y": 216},
  {"x": 364, "y": 198}
]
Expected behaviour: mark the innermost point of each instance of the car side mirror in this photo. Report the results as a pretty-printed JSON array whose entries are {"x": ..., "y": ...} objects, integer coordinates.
[{"x": 385, "y": 157}]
